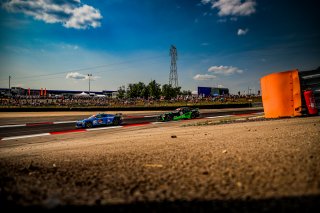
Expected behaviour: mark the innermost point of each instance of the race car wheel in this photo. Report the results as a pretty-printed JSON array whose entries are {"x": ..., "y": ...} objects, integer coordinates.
[
  {"x": 88, "y": 125},
  {"x": 193, "y": 115},
  {"x": 167, "y": 118},
  {"x": 116, "y": 121}
]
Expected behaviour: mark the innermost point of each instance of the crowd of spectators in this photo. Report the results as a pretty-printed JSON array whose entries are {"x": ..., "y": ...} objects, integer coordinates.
[{"x": 73, "y": 101}]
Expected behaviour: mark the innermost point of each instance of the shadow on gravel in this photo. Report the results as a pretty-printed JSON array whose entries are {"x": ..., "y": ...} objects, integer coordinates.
[{"x": 286, "y": 204}]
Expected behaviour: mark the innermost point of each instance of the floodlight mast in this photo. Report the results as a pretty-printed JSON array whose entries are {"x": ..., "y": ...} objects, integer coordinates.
[
  {"x": 10, "y": 84},
  {"x": 89, "y": 75}
]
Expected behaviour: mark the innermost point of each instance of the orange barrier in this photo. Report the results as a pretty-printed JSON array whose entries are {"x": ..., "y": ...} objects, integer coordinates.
[{"x": 281, "y": 94}]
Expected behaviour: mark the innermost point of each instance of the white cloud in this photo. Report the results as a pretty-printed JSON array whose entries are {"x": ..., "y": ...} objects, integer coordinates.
[
  {"x": 71, "y": 13},
  {"x": 83, "y": 17},
  {"x": 79, "y": 76},
  {"x": 242, "y": 32},
  {"x": 205, "y": 44},
  {"x": 224, "y": 70},
  {"x": 76, "y": 75},
  {"x": 233, "y": 7},
  {"x": 200, "y": 77}
]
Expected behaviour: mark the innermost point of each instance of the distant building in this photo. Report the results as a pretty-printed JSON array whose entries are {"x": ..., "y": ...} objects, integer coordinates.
[
  {"x": 17, "y": 91},
  {"x": 110, "y": 93},
  {"x": 212, "y": 91},
  {"x": 54, "y": 93}
]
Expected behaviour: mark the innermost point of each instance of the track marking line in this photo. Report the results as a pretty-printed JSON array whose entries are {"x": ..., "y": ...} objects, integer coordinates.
[
  {"x": 258, "y": 113},
  {"x": 63, "y": 122},
  {"x": 13, "y": 125},
  {"x": 220, "y": 116},
  {"x": 37, "y": 124},
  {"x": 25, "y": 136},
  {"x": 103, "y": 128},
  {"x": 150, "y": 116}
]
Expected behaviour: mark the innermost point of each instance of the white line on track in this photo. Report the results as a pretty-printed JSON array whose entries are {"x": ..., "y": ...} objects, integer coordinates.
[
  {"x": 24, "y": 136},
  {"x": 63, "y": 122},
  {"x": 157, "y": 122},
  {"x": 258, "y": 113},
  {"x": 220, "y": 116},
  {"x": 102, "y": 128},
  {"x": 14, "y": 125},
  {"x": 20, "y": 125},
  {"x": 150, "y": 116}
]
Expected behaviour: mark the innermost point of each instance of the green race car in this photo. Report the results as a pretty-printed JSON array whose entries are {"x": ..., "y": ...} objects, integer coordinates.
[{"x": 179, "y": 114}]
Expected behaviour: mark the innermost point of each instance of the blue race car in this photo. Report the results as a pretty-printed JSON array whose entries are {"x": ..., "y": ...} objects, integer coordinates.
[{"x": 100, "y": 119}]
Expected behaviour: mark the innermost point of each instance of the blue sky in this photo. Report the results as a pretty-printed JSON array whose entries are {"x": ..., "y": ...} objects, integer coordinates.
[{"x": 54, "y": 44}]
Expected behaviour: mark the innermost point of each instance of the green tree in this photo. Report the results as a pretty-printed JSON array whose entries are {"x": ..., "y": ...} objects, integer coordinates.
[
  {"x": 145, "y": 93},
  {"x": 186, "y": 92},
  {"x": 169, "y": 92},
  {"x": 121, "y": 92},
  {"x": 166, "y": 91},
  {"x": 154, "y": 89},
  {"x": 131, "y": 93},
  {"x": 136, "y": 90},
  {"x": 177, "y": 91}
]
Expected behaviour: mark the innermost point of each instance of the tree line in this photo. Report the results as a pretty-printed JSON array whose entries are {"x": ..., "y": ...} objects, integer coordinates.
[{"x": 152, "y": 90}]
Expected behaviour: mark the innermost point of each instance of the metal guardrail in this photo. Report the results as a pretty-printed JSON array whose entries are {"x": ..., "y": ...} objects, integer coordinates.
[{"x": 310, "y": 79}]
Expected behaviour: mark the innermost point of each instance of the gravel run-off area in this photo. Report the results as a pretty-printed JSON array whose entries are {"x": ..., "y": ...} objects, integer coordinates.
[{"x": 254, "y": 166}]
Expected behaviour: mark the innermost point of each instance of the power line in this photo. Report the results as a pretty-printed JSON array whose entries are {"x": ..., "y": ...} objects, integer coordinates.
[
  {"x": 88, "y": 68},
  {"x": 39, "y": 78}
]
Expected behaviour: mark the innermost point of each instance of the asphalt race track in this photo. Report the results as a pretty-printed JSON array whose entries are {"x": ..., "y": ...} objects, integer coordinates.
[{"x": 11, "y": 128}]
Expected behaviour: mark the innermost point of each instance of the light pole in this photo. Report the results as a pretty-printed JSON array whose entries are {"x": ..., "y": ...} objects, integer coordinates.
[
  {"x": 9, "y": 84},
  {"x": 89, "y": 75}
]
